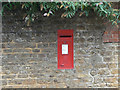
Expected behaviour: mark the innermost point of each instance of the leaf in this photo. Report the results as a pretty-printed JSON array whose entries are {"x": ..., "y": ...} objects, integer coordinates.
[
  {"x": 73, "y": 6},
  {"x": 58, "y": 6},
  {"x": 8, "y": 7},
  {"x": 63, "y": 15},
  {"x": 61, "y": 6},
  {"x": 106, "y": 15},
  {"x": 41, "y": 7},
  {"x": 109, "y": 4},
  {"x": 114, "y": 15},
  {"x": 66, "y": 7},
  {"x": 117, "y": 26},
  {"x": 26, "y": 5},
  {"x": 86, "y": 13},
  {"x": 23, "y": 6},
  {"x": 115, "y": 22},
  {"x": 81, "y": 14},
  {"x": 100, "y": 3},
  {"x": 48, "y": 14},
  {"x": 82, "y": 6},
  {"x": 1, "y": 12},
  {"x": 24, "y": 16},
  {"x": 28, "y": 23},
  {"x": 115, "y": 9}
]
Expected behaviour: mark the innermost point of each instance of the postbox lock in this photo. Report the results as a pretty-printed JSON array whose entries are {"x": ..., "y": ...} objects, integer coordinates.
[{"x": 62, "y": 65}]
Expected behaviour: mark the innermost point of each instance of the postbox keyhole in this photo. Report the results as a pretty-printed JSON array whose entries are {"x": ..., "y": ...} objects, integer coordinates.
[{"x": 62, "y": 65}]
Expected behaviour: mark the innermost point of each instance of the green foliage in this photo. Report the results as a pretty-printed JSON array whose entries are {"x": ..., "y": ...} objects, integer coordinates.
[{"x": 103, "y": 9}]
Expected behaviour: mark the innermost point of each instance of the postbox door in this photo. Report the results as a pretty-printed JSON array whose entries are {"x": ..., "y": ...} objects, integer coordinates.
[{"x": 65, "y": 51}]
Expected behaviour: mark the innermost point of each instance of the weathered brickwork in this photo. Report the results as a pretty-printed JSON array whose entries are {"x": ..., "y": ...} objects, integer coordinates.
[
  {"x": 29, "y": 54},
  {"x": 111, "y": 34},
  {"x": 0, "y": 47}
]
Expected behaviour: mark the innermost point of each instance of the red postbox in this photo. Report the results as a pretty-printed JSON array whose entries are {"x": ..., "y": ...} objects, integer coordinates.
[{"x": 65, "y": 49}]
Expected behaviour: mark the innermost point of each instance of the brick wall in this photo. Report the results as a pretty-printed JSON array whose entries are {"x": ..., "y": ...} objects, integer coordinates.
[
  {"x": 29, "y": 54},
  {"x": 111, "y": 33}
]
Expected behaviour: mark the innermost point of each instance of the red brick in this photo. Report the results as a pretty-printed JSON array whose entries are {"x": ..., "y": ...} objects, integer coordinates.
[
  {"x": 119, "y": 39},
  {"x": 115, "y": 40},
  {"x": 112, "y": 33},
  {"x": 110, "y": 40},
  {"x": 106, "y": 32},
  {"x": 115, "y": 35},
  {"x": 119, "y": 33},
  {"x": 112, "y": 36}
]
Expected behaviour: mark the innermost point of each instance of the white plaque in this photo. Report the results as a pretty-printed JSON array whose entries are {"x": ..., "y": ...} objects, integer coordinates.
[{"x": 64, "y": 48}]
